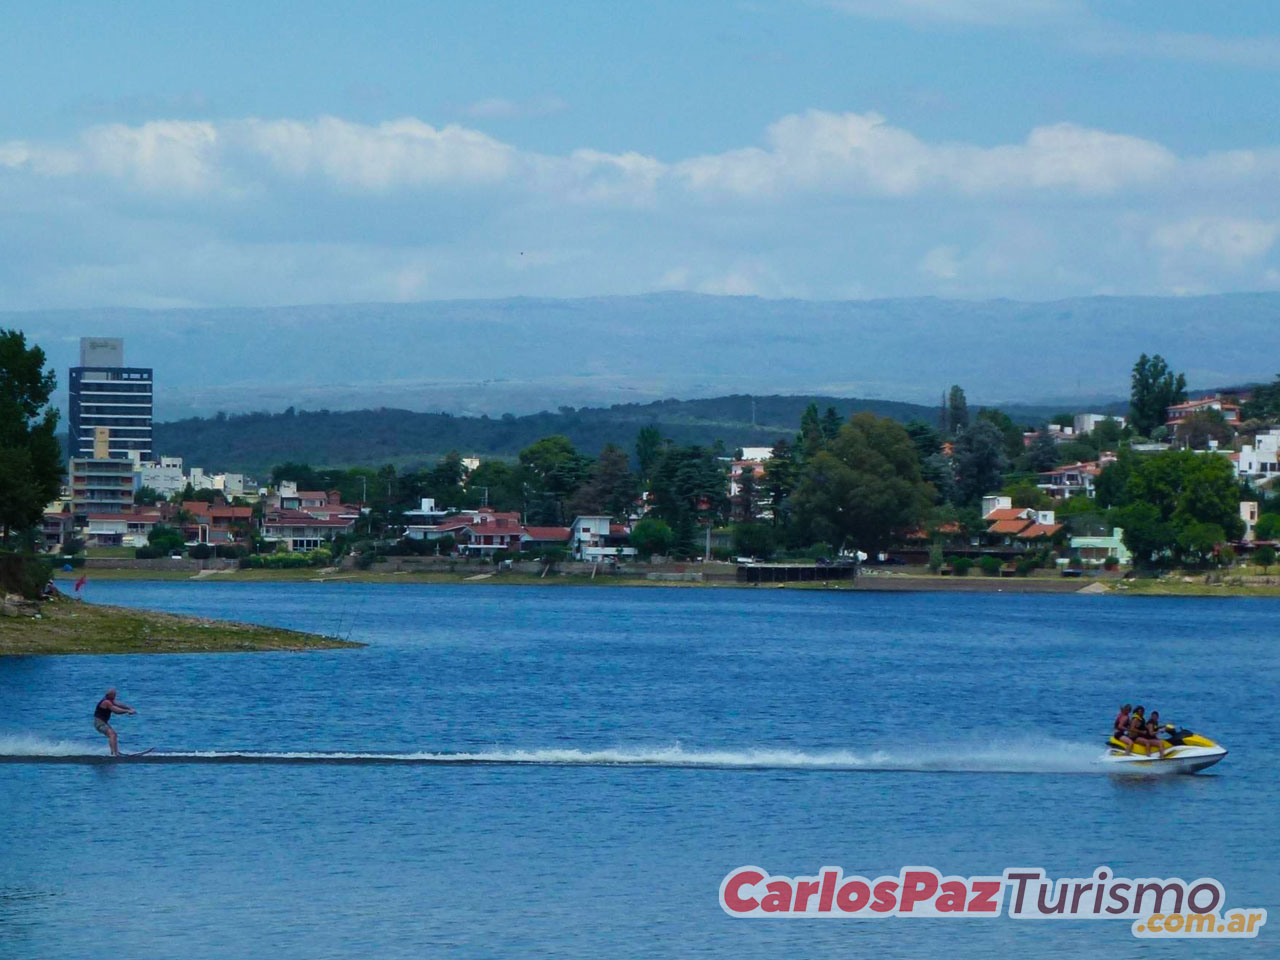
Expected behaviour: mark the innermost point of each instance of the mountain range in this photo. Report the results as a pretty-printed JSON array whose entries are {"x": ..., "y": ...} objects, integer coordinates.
[{"x": 521, "y": 356}]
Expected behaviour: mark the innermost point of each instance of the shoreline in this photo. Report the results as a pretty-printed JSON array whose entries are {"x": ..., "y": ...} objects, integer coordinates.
[
  {"x": 67, "y": 626},
  {"x": 877, "y": 581}
]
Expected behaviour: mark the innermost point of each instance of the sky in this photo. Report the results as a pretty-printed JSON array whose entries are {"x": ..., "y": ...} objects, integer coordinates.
[{"x": 262, "y": 153}]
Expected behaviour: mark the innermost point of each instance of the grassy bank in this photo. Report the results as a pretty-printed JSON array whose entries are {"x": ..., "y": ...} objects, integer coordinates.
[
  {"x": 70, "y": 626},
  {"x": 1200, "y": 586}
]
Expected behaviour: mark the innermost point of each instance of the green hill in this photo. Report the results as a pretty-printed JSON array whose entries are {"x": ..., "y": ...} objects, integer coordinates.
[{"x": 255, "y": 442}]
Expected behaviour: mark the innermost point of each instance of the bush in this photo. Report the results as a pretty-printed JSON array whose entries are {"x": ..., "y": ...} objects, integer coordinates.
[
  {"x": 936, "y": 559},
  {"x": 201, "y": 551},
  {"x": 1111, "y": 563},
  {"x": 320, "y": 557},
  {"x": 1026, "y": 565},
  {"x": 24, "y": 574},
  {"x": 149, "y": 553},
  {"x": 990, "y": 565},
  {"x": 753, "y": 540},
  {"x": 651, "y": 536},
  {"x": 1227, "y": 556},
  {"x": 231, "y": 551},
  {"x": 962, "y": 566}
]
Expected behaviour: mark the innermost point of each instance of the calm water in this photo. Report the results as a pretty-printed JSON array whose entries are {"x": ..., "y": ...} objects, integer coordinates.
[{"x": 677, "y": 734}]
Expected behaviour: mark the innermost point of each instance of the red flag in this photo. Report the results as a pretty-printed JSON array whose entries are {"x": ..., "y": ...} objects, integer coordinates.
[{"x": 84, "y": 578}]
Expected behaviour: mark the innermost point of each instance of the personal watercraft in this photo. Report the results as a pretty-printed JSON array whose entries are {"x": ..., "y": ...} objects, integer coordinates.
[{"x": 1185, "y": 752}]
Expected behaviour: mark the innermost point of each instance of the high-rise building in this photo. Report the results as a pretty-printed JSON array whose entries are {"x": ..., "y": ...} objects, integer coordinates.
[{"x": 106, "y": 393}]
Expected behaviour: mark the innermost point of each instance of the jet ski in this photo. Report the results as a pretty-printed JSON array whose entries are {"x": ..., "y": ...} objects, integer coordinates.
[{"x": 1186, "y": 752}]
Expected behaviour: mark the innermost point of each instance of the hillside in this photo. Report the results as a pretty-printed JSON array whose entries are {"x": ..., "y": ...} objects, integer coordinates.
[{"x": 255, "y": 442}]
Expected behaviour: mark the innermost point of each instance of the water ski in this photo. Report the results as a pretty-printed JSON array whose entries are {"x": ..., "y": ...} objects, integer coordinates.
[{"x": 141, "y": 753}]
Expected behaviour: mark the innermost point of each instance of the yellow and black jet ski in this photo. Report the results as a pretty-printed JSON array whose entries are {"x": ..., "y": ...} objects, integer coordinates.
[{"x": 1185, "y": 752}]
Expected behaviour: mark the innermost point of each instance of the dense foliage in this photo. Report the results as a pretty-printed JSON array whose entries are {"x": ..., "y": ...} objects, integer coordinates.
[{"x": 30, "y": 455}]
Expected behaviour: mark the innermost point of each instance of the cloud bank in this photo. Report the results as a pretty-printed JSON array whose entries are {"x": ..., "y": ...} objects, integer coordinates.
[{"x": 826, "y": 205}]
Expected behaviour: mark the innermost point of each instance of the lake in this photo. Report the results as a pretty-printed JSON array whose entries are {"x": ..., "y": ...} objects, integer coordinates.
[{"x": 637, "y": 745}]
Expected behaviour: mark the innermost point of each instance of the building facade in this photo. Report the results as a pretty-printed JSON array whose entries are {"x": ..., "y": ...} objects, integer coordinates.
[{"x": 103, "y": 392}]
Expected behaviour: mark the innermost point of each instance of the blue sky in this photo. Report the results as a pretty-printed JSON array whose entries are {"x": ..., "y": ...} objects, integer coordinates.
[{"x": 157, "y": 154}]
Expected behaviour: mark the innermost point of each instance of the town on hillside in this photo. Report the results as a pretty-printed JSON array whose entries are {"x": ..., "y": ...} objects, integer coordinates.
[{"x": 1185, "y": 481}]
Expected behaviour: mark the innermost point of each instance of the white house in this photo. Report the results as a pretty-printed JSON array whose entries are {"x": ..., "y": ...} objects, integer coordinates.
[
  {"x": 1093, "y": 551},
  {"x": 1260, "y": 459},
  {"x": 164, "y": 476},
  {"x": 599, "y": 538},
  {"x": 120, "y": 529},
  {"x": 1085, "y": 422}
]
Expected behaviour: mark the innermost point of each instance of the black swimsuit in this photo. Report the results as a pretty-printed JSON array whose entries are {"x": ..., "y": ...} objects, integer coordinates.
[{"x": 102, "y": 713}]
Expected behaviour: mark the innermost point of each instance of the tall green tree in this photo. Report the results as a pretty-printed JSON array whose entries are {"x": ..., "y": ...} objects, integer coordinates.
[
  {"x": 1169, "y": 494},
  {"x": 1154, "y": 388},
  {"x": 811, "y": 438},
  {"x": 1042, "y": 455},
  {"x": 30, "y": 455},
  {"x": 648, "y": 450},
  {"x": 689, "y": 484},
  {"x": 1011, "y": 432},
  {"x": 831, "y": 423},
  {"x": 957, "y": 410},
  {"x": 781, "y": 472},
  {"x": 865, "y": 489},
  {"x": 611, "y": 488},
  {"x": 980, "y": 462}
]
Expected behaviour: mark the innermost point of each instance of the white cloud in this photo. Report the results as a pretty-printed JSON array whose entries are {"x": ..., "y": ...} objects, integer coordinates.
[
  {"x": 982, "y": 12},
  {"x": 500, "y": 108},
  {"x": 404, "y": 152},
  {"x": 160, "y": 155},
  {"x": 863, "y": 153},
  {"x": 1231, "y": 239}
]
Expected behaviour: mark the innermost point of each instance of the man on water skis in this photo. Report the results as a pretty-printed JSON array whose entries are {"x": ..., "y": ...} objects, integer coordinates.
[{"x": 102, "y": 718}]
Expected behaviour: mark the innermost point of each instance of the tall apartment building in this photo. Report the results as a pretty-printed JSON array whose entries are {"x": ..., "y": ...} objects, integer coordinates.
[{"x": 106, "y": 393}]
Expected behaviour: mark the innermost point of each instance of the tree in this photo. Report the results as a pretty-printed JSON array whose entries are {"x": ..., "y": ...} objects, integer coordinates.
[
  {"x": 648, "y": 450},
  {"x": 938, "y": 470},
  {"x": 688, "y": 483},
  {"x": 863, "y": 490},
  {"x": 780, "y": 476},
  {"x": 1197, "y": 541},
  {"x": 1264, "y": 404},
  {"x": 30, "y": 454},
  {"x": 1042, "y": 455},
  {"x": 744, "y": 505},
  {"x": 1267, "y": 527},
  {"x": 146, "y": 496},
  {"x": 611, "y": 489},
  {"x": 1107, "y": 433},
  {"x": 1109, "y": 488},
  {"x": 651, "y": 536},
  {"x": 1154, "y": 388},
  {"x": 1265, "y": 556},
  {"x": 753, "y": 540},
  {"x": 1011, "y": 432},
  {"x": 831, "y": 423},
  {"x": 1171, "y": 492},
  {"x": 1027, "y": 494},
  {"x": 1197, "y": 429},
  {"x": 957, "y": 410},
  {"x": 980, "y": 462},
  {"x": 166, "y": 539},
  {"x": 811, "y": 438},
  {"x": 926, "y": 439}
]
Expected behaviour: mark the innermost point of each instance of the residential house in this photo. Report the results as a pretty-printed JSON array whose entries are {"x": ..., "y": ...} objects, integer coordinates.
[
  {"x": 596, "y": 538},
  {"x": 1086, "y": 422},
  {"x": 482, "y": 532},
  {"x": 215, "y": 523},
  {"x": 130, "y": 529},
  {"x": 541, "y": 538},
  {"x": 1017, "y": 526},
  {"x": 164, "y": 476},
  {"x": 1260, "y": 460},
  {"x": 55, "y": 529},
  {"x": 1072, "y": 480},
  {"x": 1093, "y": 551},
  {"x": 300, "y": 531},
  {"x": 1223, "y": 405}
]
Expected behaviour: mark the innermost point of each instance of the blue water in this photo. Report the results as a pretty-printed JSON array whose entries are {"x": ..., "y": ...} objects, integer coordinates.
[{"x": 669, "y": 736}]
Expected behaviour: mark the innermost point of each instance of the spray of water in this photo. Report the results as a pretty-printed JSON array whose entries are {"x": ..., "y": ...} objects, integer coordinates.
[{"x": 1036, "y": 757}]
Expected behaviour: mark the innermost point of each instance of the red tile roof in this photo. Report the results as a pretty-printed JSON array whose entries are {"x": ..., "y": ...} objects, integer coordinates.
[
  {"x": 548, "y": 533},
  {"x": 1009, "y": 526},
  {"x": 1037, "y": 530},
  {"x": 1007, "y": 513}
]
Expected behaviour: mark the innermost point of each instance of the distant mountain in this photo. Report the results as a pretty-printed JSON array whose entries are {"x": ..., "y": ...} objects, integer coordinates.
[
  {"x": 523, "y": 355},
  {"x": 256, "y": 442}
]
